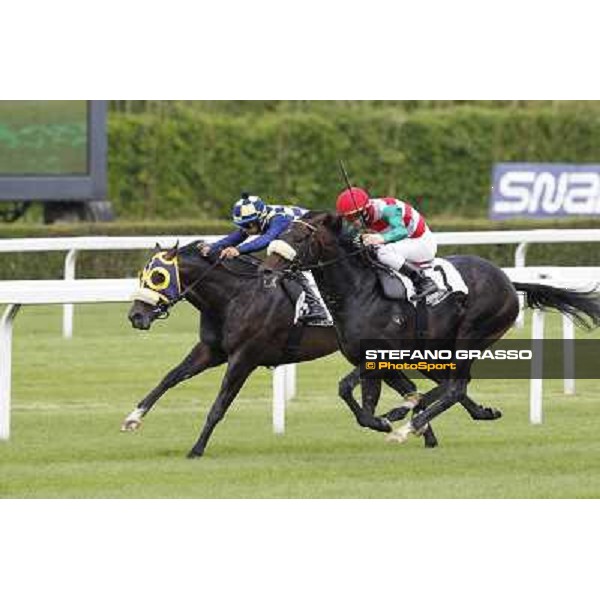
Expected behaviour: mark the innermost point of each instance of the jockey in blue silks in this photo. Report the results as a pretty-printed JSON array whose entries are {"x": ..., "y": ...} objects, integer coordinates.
[{"x": 252, "y": 216}]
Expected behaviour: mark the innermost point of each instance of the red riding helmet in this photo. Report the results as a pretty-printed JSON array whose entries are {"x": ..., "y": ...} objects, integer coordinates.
[{"x": 351, "y": 201}]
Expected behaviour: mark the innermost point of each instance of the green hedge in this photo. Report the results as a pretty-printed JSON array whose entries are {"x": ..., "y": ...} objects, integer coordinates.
[
  {"x": 49, "y": 265},
  {"x": 186, "y": 164},
  {"x": 449, "y": 154}
]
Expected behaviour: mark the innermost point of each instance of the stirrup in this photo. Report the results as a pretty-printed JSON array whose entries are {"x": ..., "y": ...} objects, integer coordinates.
[
  {"x": 428, "y": 289},
  {"x": 316, "y": 317}
]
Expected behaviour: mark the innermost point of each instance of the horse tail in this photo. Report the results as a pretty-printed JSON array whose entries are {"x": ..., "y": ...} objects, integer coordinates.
[{"x": 582, "y": 307}]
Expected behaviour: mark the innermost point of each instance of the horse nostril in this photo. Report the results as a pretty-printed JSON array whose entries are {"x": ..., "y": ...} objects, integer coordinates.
[{"x": 136, "y": 320}]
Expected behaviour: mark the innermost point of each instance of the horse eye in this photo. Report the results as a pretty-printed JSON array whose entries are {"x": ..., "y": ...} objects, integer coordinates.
[{"x": 157, "y": 278}]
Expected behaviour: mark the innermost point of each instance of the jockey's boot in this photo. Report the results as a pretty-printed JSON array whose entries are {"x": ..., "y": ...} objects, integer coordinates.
[
  {"x": 316, "y": 314},
  {"x": 423, "y": 285}
]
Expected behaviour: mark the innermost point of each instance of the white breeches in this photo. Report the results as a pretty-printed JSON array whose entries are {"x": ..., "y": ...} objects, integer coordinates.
[{"x": 413, "y": 250}]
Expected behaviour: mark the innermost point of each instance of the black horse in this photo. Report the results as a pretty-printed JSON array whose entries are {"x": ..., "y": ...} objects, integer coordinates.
[
  {"x": 348, "y": 281},
  {"x": 242, "y": 325}
]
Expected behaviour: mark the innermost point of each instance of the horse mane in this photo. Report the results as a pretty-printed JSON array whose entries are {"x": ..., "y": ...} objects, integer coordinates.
[
  {"x": 348, "y": 241},
  {"x": 238, "y": 265}
]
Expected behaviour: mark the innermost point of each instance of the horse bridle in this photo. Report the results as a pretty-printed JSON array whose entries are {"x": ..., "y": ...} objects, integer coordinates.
[
  {"x": 161, "y": 311},
  {"x": 297, "y": 265}
]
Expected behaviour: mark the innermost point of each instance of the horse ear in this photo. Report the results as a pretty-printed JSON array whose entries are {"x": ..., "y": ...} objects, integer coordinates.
[
  {"x": 172, "y": 252},
  {"x": 157, "y": 247},
  {"x": 333, "y": 222}
]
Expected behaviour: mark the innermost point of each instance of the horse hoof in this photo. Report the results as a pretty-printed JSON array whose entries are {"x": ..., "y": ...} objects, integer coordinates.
[
  {"x": 191, "y": 454},
  {"x": 400, "y": 435},
  {"x": 131, "y": 425},
  {"x": 133, "y": 421},
  {"x": 489, "y": 413},
  {"x": 385, "y": 426}
]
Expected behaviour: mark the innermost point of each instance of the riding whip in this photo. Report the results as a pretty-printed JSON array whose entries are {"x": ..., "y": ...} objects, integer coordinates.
[{"x": 349, "y": 186}]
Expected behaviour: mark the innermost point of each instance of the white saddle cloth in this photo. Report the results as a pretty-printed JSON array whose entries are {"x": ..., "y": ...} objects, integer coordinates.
[
  {"x": 302, "y": 305},
  {"x": 446, "y": 277}
]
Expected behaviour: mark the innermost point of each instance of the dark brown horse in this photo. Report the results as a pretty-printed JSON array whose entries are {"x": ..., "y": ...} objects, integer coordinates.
[
  {"x": 347, "y": 279},
  {"x": 243, "y": 325}
]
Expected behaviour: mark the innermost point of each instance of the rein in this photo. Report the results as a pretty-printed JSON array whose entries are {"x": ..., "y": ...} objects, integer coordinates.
[
  {"x": 247, "y": 275},
  {"x": 162, "y": 310},
  {"x": 321, "y": 265},
  {"x": 333, "y": 261}
]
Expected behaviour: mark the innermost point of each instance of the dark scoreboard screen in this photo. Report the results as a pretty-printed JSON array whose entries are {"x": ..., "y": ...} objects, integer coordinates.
[{"x": 44, "y": 137}]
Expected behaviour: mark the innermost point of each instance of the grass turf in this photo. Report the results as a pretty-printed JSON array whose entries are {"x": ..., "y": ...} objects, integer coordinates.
[{"x": 70, "y": 396}]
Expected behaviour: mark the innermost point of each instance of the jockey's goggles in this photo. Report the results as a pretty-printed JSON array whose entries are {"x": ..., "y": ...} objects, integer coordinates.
[
  {"x": 248, "y": 224},
  {"x": 354, "y": 215}
]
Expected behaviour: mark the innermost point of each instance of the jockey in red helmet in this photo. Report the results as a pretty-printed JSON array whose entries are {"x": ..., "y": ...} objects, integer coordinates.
[{"x": 401, "y": 235}]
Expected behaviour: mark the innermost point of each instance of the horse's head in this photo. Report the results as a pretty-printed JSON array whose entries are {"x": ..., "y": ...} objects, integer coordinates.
[
  {"x": 160, "y": 288},
  {"x": 306, "y": 241}
]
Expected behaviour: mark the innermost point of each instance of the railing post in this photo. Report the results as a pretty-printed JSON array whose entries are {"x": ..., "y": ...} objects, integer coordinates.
[
  {"x": 6, "y": 328},
  {"x": 537, "y": 365},
  {"x": 520, "y": 258},
  {"x": 568, "y": 355},
  {"x": 290, "y": 382},
  {"x": 69, "y": 274},
  {"x": 279, "y": 393}
]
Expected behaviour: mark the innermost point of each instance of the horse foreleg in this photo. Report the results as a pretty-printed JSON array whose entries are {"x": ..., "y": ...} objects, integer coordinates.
[
  {"x": 370, "y": 393},
  {"x": 476, "y": 411},
  {"x": 429, "y": 438},
  {"x": 370, "y": 389},
  {"x": 239, "y": 368},
  {"x": 201, "y": 358},
  {"x": 453, "y": 391},
  {"x": 347, "y": 384},
  {"x": 479, "y": 412},
  {"x": 370, "y": 398},
  {"x": 408, "y": 390},
  {"x": 413, "y": 401}
]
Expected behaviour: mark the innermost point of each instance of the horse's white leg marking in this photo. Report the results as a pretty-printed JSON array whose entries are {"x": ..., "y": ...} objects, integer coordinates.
[
  {"x": 411, "y": 400},
  {"x": 133, "y": 420},
  {"x": 401, "y": 434}
]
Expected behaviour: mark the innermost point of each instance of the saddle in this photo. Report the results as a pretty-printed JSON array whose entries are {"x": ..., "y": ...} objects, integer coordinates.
[
  {"x": 395, "y": 286},
  {"x": 391, "y": 285}
]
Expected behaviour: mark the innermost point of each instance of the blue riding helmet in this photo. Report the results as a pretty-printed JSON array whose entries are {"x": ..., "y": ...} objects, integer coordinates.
[{"x": 247, "y": 210}]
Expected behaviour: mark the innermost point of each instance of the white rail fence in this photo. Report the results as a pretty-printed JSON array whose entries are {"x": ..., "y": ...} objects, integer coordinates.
[
  {"x": 582, "y": 278},
  {"x": 15, "y": 294},
  {"x": 74, "y": 245},
  {"x": 524, "y": 239},
  {"x": 70, "y": 290}
]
